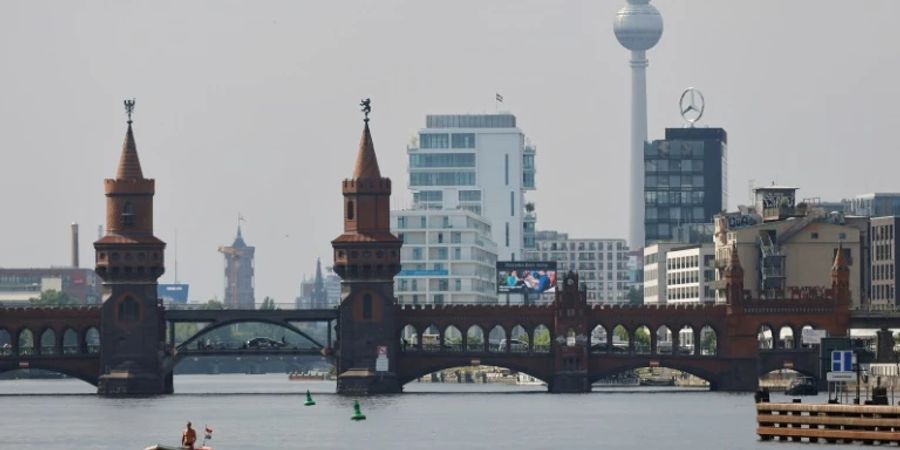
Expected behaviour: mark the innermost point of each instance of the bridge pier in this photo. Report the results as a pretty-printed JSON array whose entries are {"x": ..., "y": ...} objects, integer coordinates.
[
  {"x": 367, "y": 382},
  {"x": 569, "y": 382}
]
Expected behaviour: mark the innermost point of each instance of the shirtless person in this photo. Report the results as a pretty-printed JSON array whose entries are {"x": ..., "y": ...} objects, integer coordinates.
[{"x": 188, "y": 437}]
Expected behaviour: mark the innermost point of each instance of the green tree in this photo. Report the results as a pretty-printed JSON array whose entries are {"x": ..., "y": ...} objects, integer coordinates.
[
  {"x": 541, "y": 338},
  {"x": 267, "y": 303},
  {"x": 642, "y": 337},
  {"x": 52, "y": 297},
  {"x": 635, "y": 297},
  {"x": 213, "y": 304}
]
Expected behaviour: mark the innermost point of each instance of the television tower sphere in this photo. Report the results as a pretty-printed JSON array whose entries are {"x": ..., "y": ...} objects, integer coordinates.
[{"x": 638, "y": 25}]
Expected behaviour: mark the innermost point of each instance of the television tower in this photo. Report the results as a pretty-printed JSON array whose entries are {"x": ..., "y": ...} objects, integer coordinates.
[{"x": 638, "y": 27}]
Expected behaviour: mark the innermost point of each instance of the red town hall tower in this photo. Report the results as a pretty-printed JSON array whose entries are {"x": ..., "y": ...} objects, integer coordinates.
[
  {"x": 367, "y": 256},
  {"x": 129, "y": 259}
]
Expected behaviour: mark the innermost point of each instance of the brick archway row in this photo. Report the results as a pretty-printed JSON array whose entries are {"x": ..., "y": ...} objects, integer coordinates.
[
  {"x": 485, "y": 327},
  {"x": 87, "y": 340},
  {"x": 608, "y": 345},
  {"x": 776, "y": 327}
]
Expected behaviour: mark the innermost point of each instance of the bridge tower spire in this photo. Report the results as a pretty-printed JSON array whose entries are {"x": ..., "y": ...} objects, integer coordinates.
[
  {"x": 734, "y": 277},
  {"x": 366, "y": 257},
  {"x": 129, "y": 260}
]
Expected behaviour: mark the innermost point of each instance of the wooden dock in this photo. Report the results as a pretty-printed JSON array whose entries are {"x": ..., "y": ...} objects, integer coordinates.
[{"x": 869, "y": 424}]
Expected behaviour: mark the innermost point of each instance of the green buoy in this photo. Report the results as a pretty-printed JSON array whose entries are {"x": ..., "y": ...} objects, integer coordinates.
[
  {"x": 309, "y": 401},
  {"x": 357, "y": 414}
]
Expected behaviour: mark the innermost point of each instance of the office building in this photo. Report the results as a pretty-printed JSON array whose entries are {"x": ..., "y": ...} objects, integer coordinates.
[
  {"x": 885, "y": 262},
  {"x": 690, "y": 274},
  {"x": 601, "y": 264},
  {"x": 239, "y": 273},
  {"x": 876, "y": 204},
  {"x": 447, "y": 257},
  {"x": 685, "y": 184},
  {"x": 479, "y": 163},
  {"x": 787, "y": 249}
]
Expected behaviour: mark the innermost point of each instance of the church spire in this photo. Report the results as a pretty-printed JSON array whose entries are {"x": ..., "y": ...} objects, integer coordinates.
[{"x": 129, "y": 164}]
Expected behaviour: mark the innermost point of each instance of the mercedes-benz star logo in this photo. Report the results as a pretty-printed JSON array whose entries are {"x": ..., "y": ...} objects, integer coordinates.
[{"x": 692, "y": 105}]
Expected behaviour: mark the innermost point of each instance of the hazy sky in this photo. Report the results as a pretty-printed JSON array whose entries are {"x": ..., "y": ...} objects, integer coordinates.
[{"x": 251, "y": 107}]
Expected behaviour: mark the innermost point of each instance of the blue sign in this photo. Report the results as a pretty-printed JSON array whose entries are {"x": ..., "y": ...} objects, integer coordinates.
[{"x": 842, "y": 361}]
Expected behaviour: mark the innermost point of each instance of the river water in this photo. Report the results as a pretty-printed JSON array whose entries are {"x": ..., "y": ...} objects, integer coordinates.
[{"x": 267, "y": 412}]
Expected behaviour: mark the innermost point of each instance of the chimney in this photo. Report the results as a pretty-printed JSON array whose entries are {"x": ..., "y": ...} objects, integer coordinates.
[{"x": 74, "y": 244}]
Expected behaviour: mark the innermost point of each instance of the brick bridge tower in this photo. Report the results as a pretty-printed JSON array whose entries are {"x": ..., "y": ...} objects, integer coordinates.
[
  {"x": 570, "y": 346},
  {"x": 367, "y": 256},
  {"x": 129, "y": 260}
]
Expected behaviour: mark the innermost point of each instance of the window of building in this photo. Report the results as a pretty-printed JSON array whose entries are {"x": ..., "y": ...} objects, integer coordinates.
[
  {"x": 367, "y": 307},
  {"x": 507, "y": 234},
  {"x": 128, "y": 214},
  {"x": 434, "y": 140},
  {"x": 427, "y": 160},
  {"x": 814, "y": 235},
  {"x": 470, "y": 196},
  {"x": 350, "y": 210},
  {"x": 129, "y": 310},
  {"x": 459, "y": 178},
  {"x": 463, "y": 140},
  {"x": 512, "y": 203},
  {"x": 506, "y": 168}
]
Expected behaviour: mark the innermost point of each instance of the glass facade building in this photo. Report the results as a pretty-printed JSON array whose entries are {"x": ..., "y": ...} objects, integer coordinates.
[{"x": 685, "y": 184}]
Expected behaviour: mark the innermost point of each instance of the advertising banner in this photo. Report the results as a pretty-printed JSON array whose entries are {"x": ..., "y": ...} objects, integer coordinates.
[{"x": 526, "y": 277}]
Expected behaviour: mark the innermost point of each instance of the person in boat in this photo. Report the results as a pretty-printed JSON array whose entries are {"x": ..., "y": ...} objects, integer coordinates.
[{"x": 188, "y": 437}]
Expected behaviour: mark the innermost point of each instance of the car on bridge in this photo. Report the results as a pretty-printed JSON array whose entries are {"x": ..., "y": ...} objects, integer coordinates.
[{"x": 264, "y": 342}]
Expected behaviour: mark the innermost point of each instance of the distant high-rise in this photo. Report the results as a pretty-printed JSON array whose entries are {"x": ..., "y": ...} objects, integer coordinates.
[
  {"x": 239, "y": 281},
  {"x": 685, "y": 184},
  {"x": 638, "y": 27}
]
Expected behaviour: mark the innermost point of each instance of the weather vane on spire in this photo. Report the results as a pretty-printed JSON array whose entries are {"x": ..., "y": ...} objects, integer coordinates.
[
  {"x": 129, "y": 109},
  {"x": 366, "y": 105}
]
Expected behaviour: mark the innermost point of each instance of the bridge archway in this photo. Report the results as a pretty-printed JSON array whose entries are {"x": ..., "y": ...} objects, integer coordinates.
[
  {"x": 70, "y": 342},
  {"x": 682, "y": 366},
  {"x": 686, "y": 345},
  {"x": 540, "y": 339},
  {"x": 92, "y": 340},
  {"x": 37, "y": 365},
  {"x": 497, "y": 339},
  {"x": 599, "y": 340},
  {"x": 765, "y": 337},
  {"x": 709, "y": 341},
  {"x": 786, "y": 337},
  {"x": 453, "y": 339},
  {"x": 664, "y": 340},
  {"x": 48, "y": 342},
  {"x": 642, "y": 340},
  {"x": 409, "y": 338},
  {"x": 5, "y": 343},
  {"x": 475, "y": 339},
  {"x": 519, "y": 341},
  {"x": 431, "y": 338},
  {"x": 218, "y": 325},
  {"x": 500, "y": 363},
  {"x": 26, "y": 343},
  {"x": 621, "y": 338}
]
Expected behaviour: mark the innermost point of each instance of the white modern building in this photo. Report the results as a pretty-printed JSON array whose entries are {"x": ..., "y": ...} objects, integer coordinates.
[
  {"x": 447, "y": 257},
  {"x": 655, "y": 271},
  {"x": 480, "y": 163},
  {"x": 691, "y": 274},
  {"x": 602, "y": 264}
]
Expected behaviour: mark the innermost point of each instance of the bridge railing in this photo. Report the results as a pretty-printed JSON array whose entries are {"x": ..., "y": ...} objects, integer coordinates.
[
  {"x": 218, "y": 307},
  {"x": 876, "y": 309}
]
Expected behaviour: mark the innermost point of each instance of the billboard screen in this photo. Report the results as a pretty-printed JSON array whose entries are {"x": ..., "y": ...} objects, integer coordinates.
[
  {"x": 172, "y": 293},
  {"x": 533, "y": 277}
]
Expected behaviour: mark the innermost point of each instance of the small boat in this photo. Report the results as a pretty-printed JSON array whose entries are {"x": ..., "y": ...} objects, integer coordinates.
[
  {"x": 802, "y": 386},
  {"x": 306, "y": 376}
]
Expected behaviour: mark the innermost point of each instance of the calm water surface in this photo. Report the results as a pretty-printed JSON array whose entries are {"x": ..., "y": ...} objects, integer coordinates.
[{"x": 267, "y": 412}]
